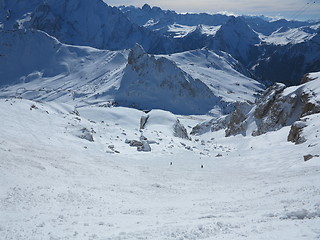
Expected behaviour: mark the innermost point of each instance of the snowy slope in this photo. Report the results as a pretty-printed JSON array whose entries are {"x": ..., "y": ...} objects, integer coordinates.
[
  {"x": 291, "y": 36},
  {"x": 223, "y": 74},
  {"x": 56, "y": 184},
  {"x": 38, "y": 67}
]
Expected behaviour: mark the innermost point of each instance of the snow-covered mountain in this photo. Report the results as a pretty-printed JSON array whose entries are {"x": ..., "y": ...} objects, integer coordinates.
[
  {"x": 37, "y": 66},
  {"x": 156, "y": 18},
  {"x": 291, "y": 61},
  {"x": 81, "y": 22},
  {"x": 125, "y": 144},
  {"x": 238, "y": 39},
  {"x": 150, "y": 83},
  {"x": 258, "y": 43}
]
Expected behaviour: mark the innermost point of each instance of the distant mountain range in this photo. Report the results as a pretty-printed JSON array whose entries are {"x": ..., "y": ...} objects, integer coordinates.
[
  {"x": 290, "y": 48},
  {"x": 203, "y": 64}
]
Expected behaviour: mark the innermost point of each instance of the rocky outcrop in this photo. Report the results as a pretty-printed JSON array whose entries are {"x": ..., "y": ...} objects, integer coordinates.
[
  {"x": 143, "y": 121},
  {"x": 275, "y": 110},
  {"x": 213, "y": 125},
  {"x": 142, "y": 145},
  {"x": 277, "y": 107},
  {"x": 295, "y": 134},
  {"x": 180, "y": 131},
  {"x": 84, "y": 133},
  {"x": 237, "y": 123},
  {"x": 151, "y": 82}
]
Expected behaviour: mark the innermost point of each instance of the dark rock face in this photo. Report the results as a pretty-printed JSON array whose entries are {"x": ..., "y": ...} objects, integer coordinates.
[
  {"x": 237, "y": 123},
  {"x": 290, "y": 62},
  {"x": 277, "y": 107},
  {"x": 275, "y": 110},
  {"x": 211, "y": 125},
  {"x": 179, "y": 130},
  {"x": 158, "y": 83},
  {"x": 295, "y": 134}
]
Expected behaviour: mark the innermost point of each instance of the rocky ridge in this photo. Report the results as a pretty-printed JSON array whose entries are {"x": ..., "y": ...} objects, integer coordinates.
[{"x": 279, "y": 106}]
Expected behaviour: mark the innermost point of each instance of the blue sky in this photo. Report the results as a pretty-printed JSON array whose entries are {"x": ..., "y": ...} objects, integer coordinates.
[{"x": 297, "y": 9}]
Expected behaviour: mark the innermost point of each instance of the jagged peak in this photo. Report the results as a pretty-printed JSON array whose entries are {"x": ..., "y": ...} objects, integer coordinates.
[
  {"x": 146, "y": 7},
  {"x": 136, "y": 52}
]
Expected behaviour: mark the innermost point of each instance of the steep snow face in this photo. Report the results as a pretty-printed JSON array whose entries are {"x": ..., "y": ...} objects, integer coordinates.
[
  {"x": 291, "y": 36},
  {"x": 37, "y": 66},
  {"x": 224, "y": 75},
  {"x": 236, "y": 38},
  {"x": 150, "y": 83},
  {"x": 80, "y": 22}
]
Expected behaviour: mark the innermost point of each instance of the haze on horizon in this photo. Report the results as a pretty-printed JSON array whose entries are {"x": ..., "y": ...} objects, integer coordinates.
[{"x": 289, "y": 9}]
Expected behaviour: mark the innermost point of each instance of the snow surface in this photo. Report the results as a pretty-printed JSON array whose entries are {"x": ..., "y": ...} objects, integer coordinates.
[
  {"x": 219, "y": 73},
  {"x": 180, "y": 31},
  {"x": 57, "y": 185},
  {"x": 291, "y": 36}
]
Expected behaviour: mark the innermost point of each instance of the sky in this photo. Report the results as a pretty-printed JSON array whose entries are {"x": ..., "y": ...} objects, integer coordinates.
[{"x": 289, "y": 9}]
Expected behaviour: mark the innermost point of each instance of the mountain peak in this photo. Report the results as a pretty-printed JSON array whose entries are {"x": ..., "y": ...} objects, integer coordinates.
[
  {"x": 136, "y": 52},
  {"x": 146, "y": 7}
]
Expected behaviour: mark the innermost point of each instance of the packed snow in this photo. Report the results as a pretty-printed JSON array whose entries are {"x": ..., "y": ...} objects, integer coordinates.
[{"x": 58, "y": 185}]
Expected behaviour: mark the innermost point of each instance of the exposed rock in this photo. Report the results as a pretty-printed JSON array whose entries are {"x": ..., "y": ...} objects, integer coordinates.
[
  {"x": 180, "y": 131},
  {"x": 265, "y": 102},
  {"x": 86, "y": 134},
  {"x": 143, "y": 138},
  {"x": 75, "y": 112},
  {"x": 212, "y": 125},
  {"x": 151, "y": 82},
  {"x": 307, "y": 157},
  {"x": 143, "y": 121},
  {"x": 276, "y": 110},
  {"x": 145, "y": 147},
  {"x": 295, "y": 134},
  {"x": 277, "y": 107},
  {"x": 237, "y": 123},
  {"x": 306, "y": 78},
  {"x": 135, "y": 143},
  {"x": 308, "y": 106}
]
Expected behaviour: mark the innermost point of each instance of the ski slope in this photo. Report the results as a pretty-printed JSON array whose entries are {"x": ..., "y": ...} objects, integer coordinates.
[{"x": 58, "y": 185}]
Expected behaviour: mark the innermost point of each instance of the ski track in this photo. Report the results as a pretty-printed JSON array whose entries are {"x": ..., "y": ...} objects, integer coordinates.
[{"x": 57, "y": 186}]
